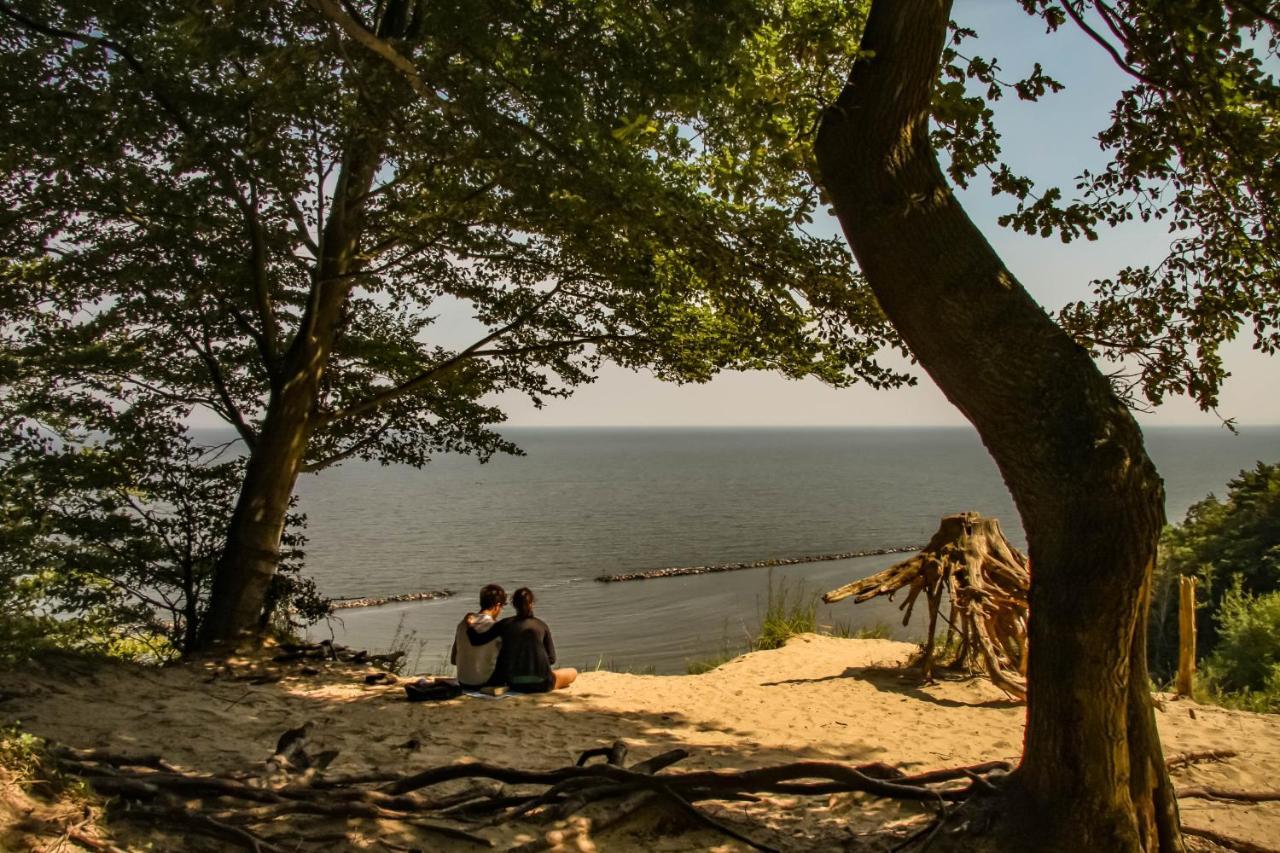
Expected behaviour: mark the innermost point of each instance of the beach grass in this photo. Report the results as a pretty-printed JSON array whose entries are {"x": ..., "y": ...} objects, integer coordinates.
[
  {"x": 789, "y": 609},
  {"x": 406, "y": 640},
  {"x": 845, "y": 630},
  {"x": 610, "y": 665}
]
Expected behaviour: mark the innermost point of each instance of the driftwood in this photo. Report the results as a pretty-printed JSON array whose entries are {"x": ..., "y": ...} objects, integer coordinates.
[{"x": 986, "y": 582}]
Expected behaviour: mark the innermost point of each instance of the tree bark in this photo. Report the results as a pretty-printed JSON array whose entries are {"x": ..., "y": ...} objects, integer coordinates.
[
  {"x": 249, "y": 560},
  {"x": 1092, "y": 776}
]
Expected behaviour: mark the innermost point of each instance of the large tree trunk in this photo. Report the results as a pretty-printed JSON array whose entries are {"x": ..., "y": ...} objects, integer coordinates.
[
  {"x": 249, "y": 559},
  {"x": 1092, "y": 776},
  {"x": 248, "y": 562}
]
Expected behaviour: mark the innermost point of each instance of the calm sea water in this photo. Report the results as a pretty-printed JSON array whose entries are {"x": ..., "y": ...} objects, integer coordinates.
[{"x": 586, "y": 502}]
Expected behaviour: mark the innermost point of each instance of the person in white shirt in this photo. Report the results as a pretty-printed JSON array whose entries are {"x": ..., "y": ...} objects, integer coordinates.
[{"x": 475, "y": 663}]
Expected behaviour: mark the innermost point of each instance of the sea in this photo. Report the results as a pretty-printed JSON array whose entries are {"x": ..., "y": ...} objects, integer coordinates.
[{"x": 586, "y": 502}]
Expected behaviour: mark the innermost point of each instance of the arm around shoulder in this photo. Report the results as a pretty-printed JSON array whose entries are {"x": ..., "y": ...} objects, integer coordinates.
[{"x": 479, "y": 638}]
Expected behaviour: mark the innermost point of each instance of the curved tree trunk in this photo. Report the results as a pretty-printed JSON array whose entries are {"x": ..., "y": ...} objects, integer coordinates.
[
  {"x": 248, "y": 561},
  {"x": 1092, "y": 776}
]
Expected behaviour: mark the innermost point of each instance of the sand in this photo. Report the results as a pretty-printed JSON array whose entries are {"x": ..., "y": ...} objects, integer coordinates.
[{"x": 817, "y": 698}]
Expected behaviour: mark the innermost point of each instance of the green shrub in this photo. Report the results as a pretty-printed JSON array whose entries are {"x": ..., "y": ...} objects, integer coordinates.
[
  {"x": 1244, "y": 668},
  {"x": 109, "y": 533},
  {"x": 1221, "y": 543}
]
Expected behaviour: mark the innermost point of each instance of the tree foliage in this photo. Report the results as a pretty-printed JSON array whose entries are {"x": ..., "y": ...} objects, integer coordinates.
[
  {"x": 1245, "y": 664},
  {"x": 1224, "y": 544},
  {"x": 113, "y": 538},
  {"x": 1193, "y": 143}
]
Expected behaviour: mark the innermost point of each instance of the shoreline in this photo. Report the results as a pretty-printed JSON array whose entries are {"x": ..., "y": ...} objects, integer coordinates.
[{"x": 683, "y": 571}]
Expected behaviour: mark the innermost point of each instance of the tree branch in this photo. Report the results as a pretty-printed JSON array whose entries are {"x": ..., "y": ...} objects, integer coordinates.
[
  {"x": 205, "y": 353},
  {"x": 356, "y": 447},
  {"x": 435, "y": 371},
  {"x": 224, "y": 174},
  {"x": 1108, "y": 46}
]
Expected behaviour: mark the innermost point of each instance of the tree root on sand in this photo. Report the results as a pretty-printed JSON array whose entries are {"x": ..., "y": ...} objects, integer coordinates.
[
  {"x": 1226, "y": 841},
  {"x": 252, "y": 813},
  {"x": 248, "y": 813},
  {"x": 987, "y": 582}
]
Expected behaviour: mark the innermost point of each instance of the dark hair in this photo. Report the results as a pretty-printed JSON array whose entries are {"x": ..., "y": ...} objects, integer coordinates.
[
  {"x": 491, "y": 596},
  {"x": 523, "y": 600}
]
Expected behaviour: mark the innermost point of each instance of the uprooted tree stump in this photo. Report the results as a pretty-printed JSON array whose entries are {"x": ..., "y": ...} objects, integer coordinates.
[{"x": 986, "y": 581}]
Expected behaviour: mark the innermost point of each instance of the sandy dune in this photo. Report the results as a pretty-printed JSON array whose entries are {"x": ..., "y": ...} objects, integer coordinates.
[{"x": 819, "y": 697}]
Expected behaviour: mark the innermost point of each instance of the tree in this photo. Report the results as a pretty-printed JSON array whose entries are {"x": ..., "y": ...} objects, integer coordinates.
[
  {"x": 1091, "y": 775},
  {"x": 258, "y": 210},
  {"x": 1220, "y": 544},
  {"x": 112, "y": 544}
]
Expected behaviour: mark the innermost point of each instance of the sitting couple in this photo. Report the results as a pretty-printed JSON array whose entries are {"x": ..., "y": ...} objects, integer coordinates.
[{"x": 515, "y": 652}]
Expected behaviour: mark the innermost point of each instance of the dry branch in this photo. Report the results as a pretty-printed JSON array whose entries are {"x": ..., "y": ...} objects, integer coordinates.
[{"x": 987, "y": 581}]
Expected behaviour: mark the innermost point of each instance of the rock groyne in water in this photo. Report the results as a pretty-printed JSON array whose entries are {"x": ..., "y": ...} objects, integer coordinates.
[
  {"x": 680, "y": 571},
  {"x": 343, "y": 603}
]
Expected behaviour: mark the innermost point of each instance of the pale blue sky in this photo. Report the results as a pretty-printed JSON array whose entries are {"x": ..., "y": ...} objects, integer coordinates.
[{"x": 1051, "y": 141}]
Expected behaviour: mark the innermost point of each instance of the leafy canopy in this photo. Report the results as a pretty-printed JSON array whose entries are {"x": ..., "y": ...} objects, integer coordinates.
[
  {"x": 560, "y": 173},
  {"x": 1193, "y": 142}
]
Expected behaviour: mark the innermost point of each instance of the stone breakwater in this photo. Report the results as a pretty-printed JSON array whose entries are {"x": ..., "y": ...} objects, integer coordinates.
[
  {"x": 680, "y": 571},
  {"x": 343, "y": 603}
]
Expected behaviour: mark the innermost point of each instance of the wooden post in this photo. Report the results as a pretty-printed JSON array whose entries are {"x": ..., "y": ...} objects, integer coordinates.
[{"x": 1186, "y": 635}]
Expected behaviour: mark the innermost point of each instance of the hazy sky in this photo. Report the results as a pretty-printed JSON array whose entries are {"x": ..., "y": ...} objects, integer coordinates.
[{"x": 1051, "y": 141}]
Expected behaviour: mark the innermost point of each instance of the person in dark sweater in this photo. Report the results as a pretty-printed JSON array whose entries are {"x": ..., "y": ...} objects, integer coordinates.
[{"x": 528, "y": 653}]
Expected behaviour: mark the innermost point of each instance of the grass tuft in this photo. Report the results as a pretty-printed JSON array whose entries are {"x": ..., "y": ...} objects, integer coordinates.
[{"x": 788, "y": 610}]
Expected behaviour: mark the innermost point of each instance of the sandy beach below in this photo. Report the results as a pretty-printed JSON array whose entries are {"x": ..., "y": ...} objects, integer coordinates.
[{"x": 817, "y": 698}]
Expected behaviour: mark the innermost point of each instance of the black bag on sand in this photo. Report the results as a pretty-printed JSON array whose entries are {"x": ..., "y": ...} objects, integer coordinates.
[{"x": 431, "y": 691}]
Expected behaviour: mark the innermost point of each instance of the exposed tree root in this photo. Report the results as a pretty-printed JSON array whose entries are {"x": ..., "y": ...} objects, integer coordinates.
[
  {"x": 1186, "y": 759},
  {"x": 986, "y": 581},
  {"x": 249, "y": 815},
  {"x": 1227, "y": 841},
  {"x": 1225, "y": 794}
]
